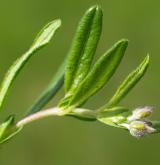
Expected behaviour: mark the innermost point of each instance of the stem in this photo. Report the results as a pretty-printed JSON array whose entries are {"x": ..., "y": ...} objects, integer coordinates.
[
  {"x": 40, "y": 115},
  {"x": 81, "y": 113}
]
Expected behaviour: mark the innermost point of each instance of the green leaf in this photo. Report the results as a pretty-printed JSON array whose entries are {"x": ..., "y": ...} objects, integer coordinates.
[
  {"x": 100, "y": 74},
  {"x": 113, "y": 116},
  {"x": 46, "y": 34},
  {"x": 112, "y": 111},
  {"x": 83, "y": 48},
  {"x": 41, "y": 40},
  {"x": 8, "y": 129},
  {"x": 50, "y": 91},
  {"x": 132, "y": 79}
]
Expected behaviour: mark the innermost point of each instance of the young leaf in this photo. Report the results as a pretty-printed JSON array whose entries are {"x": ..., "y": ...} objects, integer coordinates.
[
  {"x": 50, "y": 91},
  {"x": 112, "y": 111},
  {"x": 113, "y": 116},
  {"x": 41, "y": 40},
  {"x": 8, "y": 129},
  {"x": 83, "y": 47},
  {"x": 129, "y": 83},
  {"x": 100, "y": 74}
]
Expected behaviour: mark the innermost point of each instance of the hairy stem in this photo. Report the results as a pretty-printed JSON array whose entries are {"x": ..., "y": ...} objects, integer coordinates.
[{"x": 40, "y": 115}]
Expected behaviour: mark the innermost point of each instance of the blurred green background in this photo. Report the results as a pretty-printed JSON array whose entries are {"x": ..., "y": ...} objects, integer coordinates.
[{"x": 59, "y": 141}]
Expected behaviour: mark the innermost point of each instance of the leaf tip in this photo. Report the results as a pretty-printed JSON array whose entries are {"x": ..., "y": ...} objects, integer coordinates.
[
  {"x": 46, "y": 34},
  {"x": 123, "y": 41},
  {"x": 122, "y": 44},
  {"x": 147, "y": 58},
  {"x": 95, "y": 8},
  {"x": 145, "y": 62},
  {"x": 58, "y": 21},
  {"x": 55, "y": 24}
]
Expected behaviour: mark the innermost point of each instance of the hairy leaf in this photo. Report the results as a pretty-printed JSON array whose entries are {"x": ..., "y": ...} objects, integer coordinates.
[
  {"x": 83, "y": 47},
  {"x": 132, "y": 79},
  {"x": 100, "y": 74},
  {"x": 41, "y": 40}
]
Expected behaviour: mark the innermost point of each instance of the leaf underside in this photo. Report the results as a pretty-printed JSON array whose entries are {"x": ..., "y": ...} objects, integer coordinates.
[{"x": 50, "y": 91}]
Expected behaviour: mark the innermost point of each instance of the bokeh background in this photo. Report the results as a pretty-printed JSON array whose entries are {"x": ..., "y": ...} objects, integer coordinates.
[{"x": 59, "y": 141}]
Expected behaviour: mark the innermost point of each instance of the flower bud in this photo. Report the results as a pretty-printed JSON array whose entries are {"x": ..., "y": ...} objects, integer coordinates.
[
  {"x": 140, "y": 113},
  {"x": 140, "y": 128}
]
